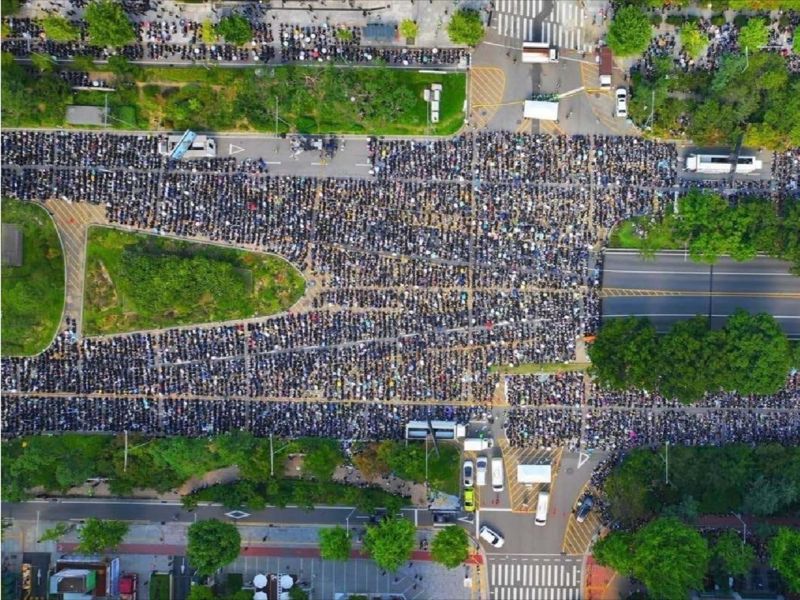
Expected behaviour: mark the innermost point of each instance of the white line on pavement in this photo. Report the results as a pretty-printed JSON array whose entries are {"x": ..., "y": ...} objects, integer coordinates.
[{"x": 689, "y": 315}]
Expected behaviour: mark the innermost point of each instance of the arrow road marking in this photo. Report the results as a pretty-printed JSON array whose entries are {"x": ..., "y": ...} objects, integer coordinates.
[
  {"x": 583, "y": 458},
  {"x": 234, "y": 149}
]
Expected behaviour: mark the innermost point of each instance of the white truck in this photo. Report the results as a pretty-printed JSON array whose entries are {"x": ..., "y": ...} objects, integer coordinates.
[{"x": 535, "y": 52}]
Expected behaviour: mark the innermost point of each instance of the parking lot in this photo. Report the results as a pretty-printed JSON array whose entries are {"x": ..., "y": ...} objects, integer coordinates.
[
  {"x": 579, "y": 536},
  {"x": 522, "y": 497}
]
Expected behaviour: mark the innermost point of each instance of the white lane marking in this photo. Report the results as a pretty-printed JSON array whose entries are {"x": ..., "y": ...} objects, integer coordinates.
[
  {"x": 363, "y": 165},
  {"x": 704, "y": 273},
  {"x": 234, "y": 149},
  {"x": 272, "y": 162},
  {"x": 689, "y": 315}
]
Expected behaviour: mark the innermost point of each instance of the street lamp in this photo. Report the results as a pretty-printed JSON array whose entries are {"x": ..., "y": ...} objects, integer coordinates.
[{"x": 744, "y": 527}]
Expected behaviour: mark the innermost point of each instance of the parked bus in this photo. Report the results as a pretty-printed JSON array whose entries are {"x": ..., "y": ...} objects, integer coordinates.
[{"x": 719, "y": 163}]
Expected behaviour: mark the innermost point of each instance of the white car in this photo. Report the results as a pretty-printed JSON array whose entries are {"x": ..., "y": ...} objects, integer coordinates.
[
  {"x": 491, "y": 536},
  {"x": 480, "y": 474},
  {"x": 469, "y": 470},
  {"x": 622, "y": 102}
]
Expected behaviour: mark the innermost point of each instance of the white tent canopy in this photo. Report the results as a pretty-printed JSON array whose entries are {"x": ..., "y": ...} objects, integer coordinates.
[
  {"x": 540, "y": 109},
  {"x": 533, "y": 474}
]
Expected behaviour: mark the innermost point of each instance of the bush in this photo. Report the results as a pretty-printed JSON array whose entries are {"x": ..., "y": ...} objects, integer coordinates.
[
  {"x": 655, "y": 19},
  {"x": 108, "y": 24},
  {"x": 676, "y": 20},
  {"x": 59, "y": 29},
  {"x": 409, "y": 29},
  {"x": 740, "y": 20}
]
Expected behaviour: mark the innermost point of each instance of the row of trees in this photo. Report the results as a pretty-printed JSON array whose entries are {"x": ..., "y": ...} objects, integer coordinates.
[
  {"x": 390, "y": 542},
  {"x": 763, "y": 480},
  {"x": 672, "y": 558},
  {"x": 749, "y": 355}
]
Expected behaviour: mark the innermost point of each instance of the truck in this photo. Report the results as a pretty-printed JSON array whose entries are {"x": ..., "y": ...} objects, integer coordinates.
[
  {"x": 128, "y": 586},
  {"x": 535, "y": 52},
  {"x": 606, "y": 64}
]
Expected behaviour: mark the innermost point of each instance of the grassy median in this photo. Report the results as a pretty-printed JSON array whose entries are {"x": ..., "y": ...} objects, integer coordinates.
[{"x": 137, "y": 281}]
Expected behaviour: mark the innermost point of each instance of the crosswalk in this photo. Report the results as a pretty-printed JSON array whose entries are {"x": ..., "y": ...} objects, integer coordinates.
[
  {"x": 535, "y": 580},
  {"x": 557, "y": 23}
]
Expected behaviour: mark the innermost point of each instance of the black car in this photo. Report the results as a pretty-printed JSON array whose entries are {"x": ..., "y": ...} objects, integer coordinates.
[{"x": 584, "y": 509}]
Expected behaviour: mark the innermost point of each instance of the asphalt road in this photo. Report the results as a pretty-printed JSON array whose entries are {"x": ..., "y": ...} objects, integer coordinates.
[
  {"x": 156, "y": 511},
  {"x": 672, "y": 287}
]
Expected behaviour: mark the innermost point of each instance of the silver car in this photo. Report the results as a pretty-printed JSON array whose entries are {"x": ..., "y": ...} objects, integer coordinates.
[{"x": 469, "y": 473}]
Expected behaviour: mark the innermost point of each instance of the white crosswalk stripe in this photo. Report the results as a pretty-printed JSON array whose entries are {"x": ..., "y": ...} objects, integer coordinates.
[
  {"x": 535, "y": 581},
  {"x": 562, "y": 25}
]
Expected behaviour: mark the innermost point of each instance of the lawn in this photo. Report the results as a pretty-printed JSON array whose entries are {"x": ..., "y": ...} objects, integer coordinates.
[
  {"x": 33, "y": 294},
  {"x": 536, "y": 368},
  {"x": 310, "y": 100},
  {"x": 137, "y": 281},
  {"x": 658, "y": 235},
  {"x": 159, "y": 587},
  {"x": 408, "y": 462}
]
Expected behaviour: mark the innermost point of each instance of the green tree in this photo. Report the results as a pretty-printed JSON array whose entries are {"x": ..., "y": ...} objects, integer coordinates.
[
  {"x": 784, "y": 556},
  {"x": 465, "y": 27},
  {"x": 450, "y": 547},
  {"x": 624, "y": 352},
  {"x": 796, "y": 44},
  {"x": 369, "y": 462},
  {"x": 56, "y": 532},
  {"x": 208, "y": 33},
  {"x": 629, "y": 32},
  {"x": 689, "y": 361},
  {"x": 335, "y": 543},
  {"x": 616, "y": 550},
  {"x": 670, "y": 558},
  {"x": 97, "y": 535},
  {"x": 201, "y": 592},
  {"x": 757, "y": 356},
  {"x": 9, "y": 7},
  {"x": 212, "y": 545},
  {"x": 59, "y": 29},
  {"x": 322, "y": 459},
  {"x": 731, "y": 556},
  {"x": 701, "y": 220},
  {"x": 409, "y": 29},
  {"x": 390, "y": 542},
  {"x": 235, "y": 29},
  {"x": 693, "y": 40},
  {"x": 344, "y": 35},
  {"x": 754, "y": 35},
  {"x": 108, "y": 24}
]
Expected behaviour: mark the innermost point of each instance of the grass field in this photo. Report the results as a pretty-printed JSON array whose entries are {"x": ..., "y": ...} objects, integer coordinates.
[
  {"x": 536, "y": 368},
  {"x": 33, "y": 294},
  {"x": 659, "y": 235},
  {"x": 137, "y": 281}
]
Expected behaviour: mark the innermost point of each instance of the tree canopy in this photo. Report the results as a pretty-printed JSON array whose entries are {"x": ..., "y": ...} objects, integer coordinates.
[
  {"x": 236, "y": 29},
  {"x": 212, "y": 545},
  {"x": 465, "y": 27},
  {"x": 669, "y": 557},
  {"x": 750, "y": 355},
  {"x": 108, "y": 24},
  {"x": 693, "y": 40},
  {"x": 96, "y": 535},
  {"x": 450, "y": 547},
  {"x": 754, "y": 35},
  {"x": 334, "y": 543},
  {"x": 629, "y": 32},
  {"x": 730, "y": 556},
  {"x": 59, "y": 29},
  {"x": 409, "y": 28},
  {"x": 784, "y": 552},
  {"x": 390, "y": 542}
]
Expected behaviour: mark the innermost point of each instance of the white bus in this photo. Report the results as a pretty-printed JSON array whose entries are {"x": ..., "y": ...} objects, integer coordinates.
[
  {"x": 534, "y": 52},
  {"x": 719, "y": 163}
]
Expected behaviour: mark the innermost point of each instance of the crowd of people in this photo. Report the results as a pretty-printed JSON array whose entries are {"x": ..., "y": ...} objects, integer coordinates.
[
  {"x": 452, "y": 259},
  {"x": 182, "y": 40}
]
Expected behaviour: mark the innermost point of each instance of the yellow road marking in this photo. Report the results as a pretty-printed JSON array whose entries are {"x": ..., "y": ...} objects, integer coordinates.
[{"x": 613, "y": 292}]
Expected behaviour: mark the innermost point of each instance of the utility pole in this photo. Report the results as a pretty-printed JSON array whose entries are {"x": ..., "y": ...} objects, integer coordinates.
[
  {"x": 276, "y": 116},
  {"x": 125, "y": 460},
  {"x": 744, "y": 527},
  {"x": 666, "y": 463},
  {"x": 271, "y": 458},
  {"x": 105, "y": 113}
]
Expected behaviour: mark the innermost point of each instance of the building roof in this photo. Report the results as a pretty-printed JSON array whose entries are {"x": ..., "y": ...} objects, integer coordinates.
[
  {"x": 86, "y": 115},
  {"x": 12, "y": 245}
]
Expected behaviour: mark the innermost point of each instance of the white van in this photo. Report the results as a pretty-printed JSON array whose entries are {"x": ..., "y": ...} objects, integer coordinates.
[
  {"x": 497, "y": 474},
  {"x": 480, "y": 472},
  {"x": 477, "y": 444},
  {"x": 541, "y": 508}
]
